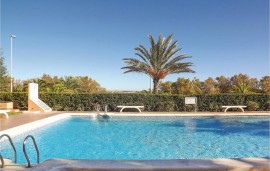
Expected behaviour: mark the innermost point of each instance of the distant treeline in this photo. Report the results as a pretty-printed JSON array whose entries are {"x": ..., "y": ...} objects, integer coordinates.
[
  {"x": 240, "y": 83},
  {"x": 55, "y": 84}
]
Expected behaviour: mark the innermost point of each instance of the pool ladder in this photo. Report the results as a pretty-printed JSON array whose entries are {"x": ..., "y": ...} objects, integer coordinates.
[
  {"x": 97, "y": 108},
  {"x": 13, "y": 147},
  {"x": 24, "y": 150}
]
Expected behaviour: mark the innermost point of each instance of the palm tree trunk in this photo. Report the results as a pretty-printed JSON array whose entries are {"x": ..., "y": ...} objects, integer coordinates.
[{"x": 156, "y": 84}]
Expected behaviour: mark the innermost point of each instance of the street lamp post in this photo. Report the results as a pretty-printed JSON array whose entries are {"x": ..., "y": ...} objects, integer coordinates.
[{"x": 11, "y": 79}]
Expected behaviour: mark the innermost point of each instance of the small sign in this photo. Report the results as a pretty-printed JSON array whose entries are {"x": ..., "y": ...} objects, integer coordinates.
[{"x": 190, "y": 100}]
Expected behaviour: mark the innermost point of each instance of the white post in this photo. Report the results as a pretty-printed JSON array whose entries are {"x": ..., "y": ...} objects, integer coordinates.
[{"x": 11, "y": 74}]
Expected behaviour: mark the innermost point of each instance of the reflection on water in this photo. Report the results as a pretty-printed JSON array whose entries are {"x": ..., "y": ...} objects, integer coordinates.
[{"x": 190, "y": 125}]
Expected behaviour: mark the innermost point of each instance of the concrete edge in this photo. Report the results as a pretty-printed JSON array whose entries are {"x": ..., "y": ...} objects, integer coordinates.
[
  {"x": 262, "y": 164},
  {"x": 174, "y": 114}
]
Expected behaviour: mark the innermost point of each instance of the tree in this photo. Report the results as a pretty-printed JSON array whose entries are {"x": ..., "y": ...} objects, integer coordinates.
[
  {"x": 240, "y": 79},
  {"x": 59, "y": 88},
  {"x": 43, "y": 85},
  {"x": 166, "y": 87},
  {"x": 224, "y": 84},
  {"x": 160, "y": 61},
  {"x": 265, "y": 84},
  {"x": 242, "y": 88},
  {"x": 210, "y": 86},
  {"x": 183, "y": 86},
  {"x": 254, "y": 85},
  {"x": 196, "y": 86},
  {"x": 72, "y": 83},
  {"x": 89, "y": 85},
  {"x": 4, "y": 79},
  {"x": 243, "y": 84}
]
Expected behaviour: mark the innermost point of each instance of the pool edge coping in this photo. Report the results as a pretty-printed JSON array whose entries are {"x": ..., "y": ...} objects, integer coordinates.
[{"x": 221, "y": 164}]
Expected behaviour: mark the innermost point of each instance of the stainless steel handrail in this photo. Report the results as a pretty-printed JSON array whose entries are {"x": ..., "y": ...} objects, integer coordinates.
[
  {"x": 2, "y": 161},
  {"x": 12, "y": 145},
  {"x": 24, "y": 151}
]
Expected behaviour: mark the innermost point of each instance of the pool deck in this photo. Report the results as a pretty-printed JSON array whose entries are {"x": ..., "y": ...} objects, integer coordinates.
[{"x": 19, "y": 121}]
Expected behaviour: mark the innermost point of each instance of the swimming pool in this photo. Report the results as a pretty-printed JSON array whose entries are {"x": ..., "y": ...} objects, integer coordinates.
[{"x": 147, "y": 138}]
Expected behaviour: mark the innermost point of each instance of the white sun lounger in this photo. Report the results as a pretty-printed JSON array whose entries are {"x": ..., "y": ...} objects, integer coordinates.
[
  {"x": 4, "y": 112},
  {"x": 131, "y": 107},
  {"x": 228, "y": 107}
]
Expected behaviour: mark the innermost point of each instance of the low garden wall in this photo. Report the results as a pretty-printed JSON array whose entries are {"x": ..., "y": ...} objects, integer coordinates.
[{"x": 165, "y": 103}]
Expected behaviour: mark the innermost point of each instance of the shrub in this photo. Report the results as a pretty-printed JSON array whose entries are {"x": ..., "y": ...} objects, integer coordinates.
[
  {"x": 166, "y": 103},
  {"x": 167, "y": 106},
  {"x": 252, "y": 106},
  {"x": 213, "y": 107},
  {"x": 189, "y": 108},
  {"x": 266, "y": 106}
]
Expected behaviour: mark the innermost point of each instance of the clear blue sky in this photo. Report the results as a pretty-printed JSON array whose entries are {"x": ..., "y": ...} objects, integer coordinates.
[{"x": 91, "y": 37}]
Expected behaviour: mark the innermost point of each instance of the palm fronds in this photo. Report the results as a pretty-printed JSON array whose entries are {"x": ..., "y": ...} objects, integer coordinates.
[{"x": 159, "y": 61}]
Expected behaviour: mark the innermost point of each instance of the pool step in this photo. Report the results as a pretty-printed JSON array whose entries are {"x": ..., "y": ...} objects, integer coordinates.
[
  {"x": 9, "y": 166},
  {"x": 7, "y": 161},
  {"x": 14, "y": 167}
]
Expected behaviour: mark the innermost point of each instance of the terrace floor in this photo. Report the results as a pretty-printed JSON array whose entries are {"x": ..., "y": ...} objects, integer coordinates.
[{"x": 20, "y": 119}]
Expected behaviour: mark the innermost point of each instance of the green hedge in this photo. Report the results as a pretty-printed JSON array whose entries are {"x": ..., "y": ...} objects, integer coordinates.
[{"x": 168, "y": 103}]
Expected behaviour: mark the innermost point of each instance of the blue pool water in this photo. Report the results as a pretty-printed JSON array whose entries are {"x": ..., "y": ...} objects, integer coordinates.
[{"x": 148, "y": 138}]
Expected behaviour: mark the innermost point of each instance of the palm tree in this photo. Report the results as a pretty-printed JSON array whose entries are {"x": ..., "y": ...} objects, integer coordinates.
[
  {"x": 160, "y": 61},
  {"x": 72, "y": 83},
  {"x": 241, "y": 88}
]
